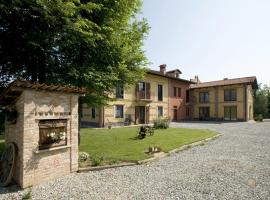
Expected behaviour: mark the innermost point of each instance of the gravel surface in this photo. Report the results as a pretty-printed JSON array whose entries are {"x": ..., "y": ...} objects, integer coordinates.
[{"x": 234, "y": 166}]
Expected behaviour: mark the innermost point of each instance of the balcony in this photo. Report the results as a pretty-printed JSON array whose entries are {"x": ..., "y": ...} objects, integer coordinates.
[{"x": 144, "y": 96}]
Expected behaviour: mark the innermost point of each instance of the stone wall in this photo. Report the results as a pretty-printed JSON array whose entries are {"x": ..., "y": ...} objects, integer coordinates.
[{"x": 14, "y": 133}]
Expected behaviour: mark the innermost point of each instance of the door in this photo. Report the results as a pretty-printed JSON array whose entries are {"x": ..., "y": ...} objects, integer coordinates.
[
  {"x": 174, "y": 114},
  {"x": 140, "y": 114},
  {"x": 147, "y": 108},
  {"x": 230, "y": 113},
  {"x": 249, "y": 113},
  {"x": 204, "y": 113}
]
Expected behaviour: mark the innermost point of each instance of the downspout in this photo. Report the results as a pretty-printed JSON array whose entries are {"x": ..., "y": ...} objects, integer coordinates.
[
  {"x": 103, "y": 117},
  {"x": 169, "y": 116},
  {"x": 70, "y": 131},
  {"x": 245, "y": 102}
]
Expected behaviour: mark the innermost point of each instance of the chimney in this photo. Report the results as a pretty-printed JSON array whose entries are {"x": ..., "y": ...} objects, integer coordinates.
[
  {"x": 163, "y": 69},
  {"x": 196, "y": 79}
]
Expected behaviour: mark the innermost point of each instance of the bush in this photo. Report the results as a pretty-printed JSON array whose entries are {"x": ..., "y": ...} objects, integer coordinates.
[
  {"x": 96, "y": 161},
  {"x": 162, "y": 123},
  {"x": 83, "y": 156},
  {"x": 259, "y": 118},
  {"x": 27, "y": 196}
]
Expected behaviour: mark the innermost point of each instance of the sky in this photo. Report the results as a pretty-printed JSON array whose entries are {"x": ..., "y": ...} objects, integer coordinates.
[{"x": 214, "y": 39}]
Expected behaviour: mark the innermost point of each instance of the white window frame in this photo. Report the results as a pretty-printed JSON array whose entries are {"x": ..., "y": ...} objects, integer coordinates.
[
  {"x": 115, "y": 111},
  {"x": 123, "y": 93},
  {"x": 162, "y": 111}
]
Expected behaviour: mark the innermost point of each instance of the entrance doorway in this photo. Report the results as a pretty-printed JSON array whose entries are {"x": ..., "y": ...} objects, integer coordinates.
[
  {"x": 230, "y": 113},
  {"x": 141, "y": 114},
  {"x": 174, "y": 114},
  {"x": 204, "y": 113}
]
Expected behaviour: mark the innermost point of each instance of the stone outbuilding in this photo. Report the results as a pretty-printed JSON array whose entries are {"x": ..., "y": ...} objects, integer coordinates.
[{"x": 42, "y": 121}]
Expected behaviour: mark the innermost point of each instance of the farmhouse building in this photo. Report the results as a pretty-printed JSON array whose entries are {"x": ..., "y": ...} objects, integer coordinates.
[{"x": 164, "y": 94}]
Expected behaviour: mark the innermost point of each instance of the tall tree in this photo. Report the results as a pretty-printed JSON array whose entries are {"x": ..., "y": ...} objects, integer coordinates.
[
  {"x": 268, "y": 103},
  {"x": 261, "y": 101},
  {"x": 91, "y": 43}
]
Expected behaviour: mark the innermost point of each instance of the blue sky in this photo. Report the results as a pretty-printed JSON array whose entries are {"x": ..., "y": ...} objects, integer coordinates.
[{"x": 210, "y": 38}]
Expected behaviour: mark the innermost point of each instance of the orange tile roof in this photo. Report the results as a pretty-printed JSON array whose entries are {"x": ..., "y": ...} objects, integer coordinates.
[
  {"x": 245, "y": 80},
  {"x": 158, "y": 73},
  {"x": 14, "y": 90}
]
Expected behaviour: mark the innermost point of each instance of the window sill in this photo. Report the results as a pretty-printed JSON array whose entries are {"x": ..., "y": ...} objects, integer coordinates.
[
  {"x": 52, "y": 149},
  {"x": 51, "y": 117}
]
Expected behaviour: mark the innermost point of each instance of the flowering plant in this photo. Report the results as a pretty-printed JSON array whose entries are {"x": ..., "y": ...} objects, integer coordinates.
[{"x": 56, "y": 137}]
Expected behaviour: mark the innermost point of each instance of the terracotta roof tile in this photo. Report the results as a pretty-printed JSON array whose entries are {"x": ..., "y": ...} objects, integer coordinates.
[
  {"x": 158, "y": 73},
  {"x": 245, "y": 80},
  {"x": 14, "y": 90}
]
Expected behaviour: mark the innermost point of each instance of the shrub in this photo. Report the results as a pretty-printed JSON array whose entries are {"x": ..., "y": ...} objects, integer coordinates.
[
  {"x": 162, "y": 123},
  {"x": 27, "y": 196},
  {"x": 259, "y": 118},
  {"x": 83, "y": 156},
  {"x": 96, "y": 161}
]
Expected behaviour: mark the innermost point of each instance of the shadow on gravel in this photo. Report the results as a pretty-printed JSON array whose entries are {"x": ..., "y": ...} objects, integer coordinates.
[
  {"x": 9, "y": 189},
  {"x": 207, "y": 122}
]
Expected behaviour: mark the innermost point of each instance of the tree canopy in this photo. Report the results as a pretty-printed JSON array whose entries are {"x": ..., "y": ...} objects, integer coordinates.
[
  {"x": 87, "y": 43},
  {"x": 262, "y": 101}
]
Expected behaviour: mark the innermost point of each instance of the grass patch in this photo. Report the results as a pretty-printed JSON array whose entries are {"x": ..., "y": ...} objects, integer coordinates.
[
  {"x": 119, "y": 144},
  {"x": 27, "y": 195},
  {"x": 2, "y": 143}
]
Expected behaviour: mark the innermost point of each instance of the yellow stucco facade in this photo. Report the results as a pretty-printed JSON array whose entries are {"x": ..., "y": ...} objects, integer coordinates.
[
  {"x": 148, "y": 107},
  {"x": 243, "y": 104},
  {"x": 159, "y": 93}
]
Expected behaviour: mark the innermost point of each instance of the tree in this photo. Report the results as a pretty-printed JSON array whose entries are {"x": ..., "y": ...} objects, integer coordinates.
[
  {"x": 261, "y": 101},
  {"x": 28, "y": 30},
  {"x": 94, "y": 44},
  {"x": 268, "y": 102}
]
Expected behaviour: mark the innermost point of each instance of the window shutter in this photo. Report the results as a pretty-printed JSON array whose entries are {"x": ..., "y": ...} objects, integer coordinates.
[
  {"x": 137, "y": 90},
  {"x": 147, "y": 90}
]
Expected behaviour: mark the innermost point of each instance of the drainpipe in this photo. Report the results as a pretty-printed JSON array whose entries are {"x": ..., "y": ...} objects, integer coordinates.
[
  {"x": 245, "y": 102},
  {"x": 103, "y": 117},
  {"x": 169, "y": 89}
]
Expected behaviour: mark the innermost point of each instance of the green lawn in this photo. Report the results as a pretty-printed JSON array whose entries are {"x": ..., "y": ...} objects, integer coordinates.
[
  {"x": 2, "y": 143},
  {"x": 119, "y": 144}
]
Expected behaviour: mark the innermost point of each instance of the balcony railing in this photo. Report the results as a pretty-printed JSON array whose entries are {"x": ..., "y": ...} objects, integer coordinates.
[{"x": 144, "y": 96}]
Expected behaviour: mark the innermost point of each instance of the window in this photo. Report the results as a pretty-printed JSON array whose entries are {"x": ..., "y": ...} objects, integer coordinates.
[
  {"x": 187, "y": 96},
  {"x": 204, "y": 97},
  {"x": 174, "y": 91},
  {"x": 52, "y": 133},
  {"x": 179, "y": 92},
  {"x": 93, "y": 113},
  {"x": 141, "y": 86},
  {"x": 160, "y": 92},
  {"x": 82, "y": 113},
  {"x": 119, "y": 91},
  {"x": 143, "y": 90},
  {"x": 230, "y": 113},
  {"x": 230, "y": 95},
  {"x": 119, "y": 111},
  {"x": 160, "y": 111}
]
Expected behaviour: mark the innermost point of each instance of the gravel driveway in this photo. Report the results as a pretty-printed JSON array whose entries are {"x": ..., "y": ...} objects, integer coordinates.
[{"x": 235, "y": 166}]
